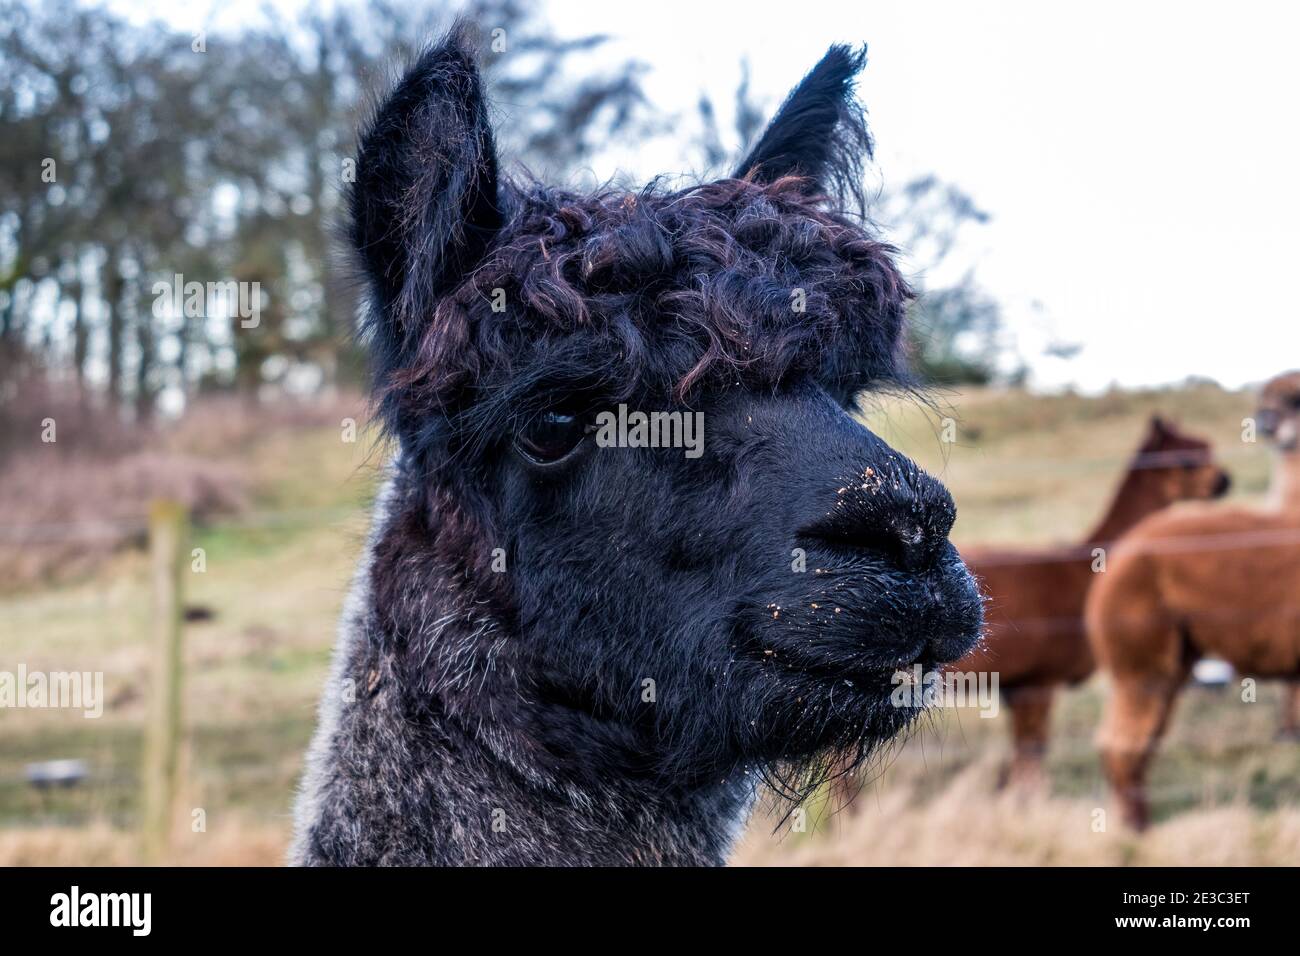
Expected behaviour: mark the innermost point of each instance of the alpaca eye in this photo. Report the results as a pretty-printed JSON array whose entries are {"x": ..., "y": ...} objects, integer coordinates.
[{"x": 550, "y": 437}]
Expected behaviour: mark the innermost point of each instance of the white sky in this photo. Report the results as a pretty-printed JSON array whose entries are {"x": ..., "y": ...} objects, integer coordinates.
[{"x": 1140, "y": 159}]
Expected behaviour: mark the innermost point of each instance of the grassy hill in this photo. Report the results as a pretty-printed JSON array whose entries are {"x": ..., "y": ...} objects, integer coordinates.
[{"x": 1022, "y": 468}]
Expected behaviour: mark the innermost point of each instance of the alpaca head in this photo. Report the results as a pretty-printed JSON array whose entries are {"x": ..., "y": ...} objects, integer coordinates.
[
  {"x": 1179, "y": 466},
  {"x": 1279, "y": 411},
  {"x": 598, "y": 608}
]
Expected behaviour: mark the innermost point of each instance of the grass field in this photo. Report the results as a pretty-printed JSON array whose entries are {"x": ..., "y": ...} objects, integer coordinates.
[{"x": 1022, "y": 469}]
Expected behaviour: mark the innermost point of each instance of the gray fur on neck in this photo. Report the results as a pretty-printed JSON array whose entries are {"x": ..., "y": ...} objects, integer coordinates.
[{"x": 381, "y": 790}]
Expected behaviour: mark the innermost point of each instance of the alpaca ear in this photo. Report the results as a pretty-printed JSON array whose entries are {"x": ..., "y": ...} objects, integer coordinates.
[
  {"x": 819, "y": 133},
  {"x": 1157, "y": 425},
  {"x": 424, "y": 204}
]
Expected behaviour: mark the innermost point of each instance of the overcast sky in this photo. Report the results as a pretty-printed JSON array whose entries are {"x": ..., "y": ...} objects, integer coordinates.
[{"x": 1140, "y": 160}]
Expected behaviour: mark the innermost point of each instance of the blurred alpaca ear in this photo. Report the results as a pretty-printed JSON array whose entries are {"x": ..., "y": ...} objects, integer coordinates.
[
  {"x": 819, "y": 133},
  {"x": 424, "y": 205},
  {"x": 1157, "y": 425}
]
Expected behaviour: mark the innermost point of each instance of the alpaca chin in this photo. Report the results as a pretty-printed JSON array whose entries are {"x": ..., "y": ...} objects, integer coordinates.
[{"x": 840, "y": 649}]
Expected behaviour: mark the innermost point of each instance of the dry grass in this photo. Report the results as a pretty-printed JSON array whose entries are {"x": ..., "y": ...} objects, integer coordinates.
[
  {"x": 967, "y": 823},
  {"x": 68, "y": 505},
  {"x": 100, "y": 844},
  {"x": 274, "y": 581},
  {"x": 1224, "y": 792}
]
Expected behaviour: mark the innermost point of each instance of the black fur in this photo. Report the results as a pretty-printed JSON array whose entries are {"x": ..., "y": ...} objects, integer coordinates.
[
  {"x": 486, "y": 716},
  {"x": 819, "y": 133}
]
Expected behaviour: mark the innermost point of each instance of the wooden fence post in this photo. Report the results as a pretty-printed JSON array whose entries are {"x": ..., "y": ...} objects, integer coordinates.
[{"x": 168, "y": 531}]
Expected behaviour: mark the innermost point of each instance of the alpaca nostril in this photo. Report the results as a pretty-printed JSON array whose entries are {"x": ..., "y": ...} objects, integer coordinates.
[
  {"x": 914, "y": 553},
  {"x": 904, "y": 542},
  {"x": 914, "y": 549}
]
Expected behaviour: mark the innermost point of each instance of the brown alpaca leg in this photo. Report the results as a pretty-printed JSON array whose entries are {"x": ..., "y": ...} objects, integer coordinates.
[
  {"x": 1137, "y": 712},
  {"x": 1031, "y": 713},
  {"x": 1289, "y": 723}
]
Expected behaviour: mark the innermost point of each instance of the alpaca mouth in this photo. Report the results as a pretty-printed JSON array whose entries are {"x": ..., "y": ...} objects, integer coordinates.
[
  {"x": 886, "y": 674},
  {"x": 928, "y": 619},
  {"x": 880, "y": 685},
  {"x": 898, "y": 618},
  {"x": 865, "y": 656}
]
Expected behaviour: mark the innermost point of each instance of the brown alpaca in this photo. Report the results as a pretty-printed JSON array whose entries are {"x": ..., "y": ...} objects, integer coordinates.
[
  {"x": 1034, "y": 636},
  {"x": 1193, "y": 581}
]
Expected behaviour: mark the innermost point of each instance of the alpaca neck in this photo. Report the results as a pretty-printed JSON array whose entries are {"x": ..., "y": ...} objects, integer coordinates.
[
  {"x": 396, "y": 777},
  {"x": 404, "y": 788},
  {"x": 1284, "y": 490},
  {"x": 1133, "y": 500}
]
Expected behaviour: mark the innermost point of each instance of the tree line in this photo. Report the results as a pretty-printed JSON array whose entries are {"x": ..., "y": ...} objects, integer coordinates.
[{"x": 157, "y": 187}]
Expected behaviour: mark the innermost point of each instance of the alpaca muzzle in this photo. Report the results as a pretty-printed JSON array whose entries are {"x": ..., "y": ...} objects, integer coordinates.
[{"x": 886, "y": 543}]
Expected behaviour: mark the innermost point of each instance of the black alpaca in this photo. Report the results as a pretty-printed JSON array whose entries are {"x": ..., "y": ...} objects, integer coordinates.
[{"x": 559, "y": 652}]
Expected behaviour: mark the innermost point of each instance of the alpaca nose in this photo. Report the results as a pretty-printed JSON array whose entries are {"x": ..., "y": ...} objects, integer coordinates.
[
  {"x": 914, "y": 523},
  {"x": 911, "y": 530},
  {"x": 905, "y": 520}
]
